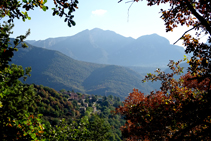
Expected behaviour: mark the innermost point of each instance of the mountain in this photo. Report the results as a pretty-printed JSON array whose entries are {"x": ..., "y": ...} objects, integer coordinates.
[
  {"x": 107, "y": 47},
  {"x": 90, "y": 46},
  {"x": 149, "y": 50},
  {"x": 46, "y": 43},
  {"x": 56, "y": 70}
]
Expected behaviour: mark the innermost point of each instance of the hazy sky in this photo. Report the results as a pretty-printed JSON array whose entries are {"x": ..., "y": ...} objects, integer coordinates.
[{"x": 104, "y": 14}]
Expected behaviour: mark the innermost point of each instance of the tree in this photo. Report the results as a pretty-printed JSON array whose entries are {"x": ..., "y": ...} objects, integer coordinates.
[
  {"x": 16, "y": 122},
  {"x": 98, "y": 129},
  {"x": 63, "y": 131},
  {"x": 180, "y": 110},
  {"x": 94, "y": 98},
  {"x": 110, "y": 97},
  {"x": 93, "y": 129},
  {"x": 62, "y": 90}
]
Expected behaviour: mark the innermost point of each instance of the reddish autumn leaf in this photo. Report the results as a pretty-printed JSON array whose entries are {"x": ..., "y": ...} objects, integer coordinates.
[{"x": 181, "y": 110}]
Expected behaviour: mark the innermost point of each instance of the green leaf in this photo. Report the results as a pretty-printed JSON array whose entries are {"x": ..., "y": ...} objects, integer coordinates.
[
  {"x": 72, "y": 22},
  {"x": 44, "y": 8}
]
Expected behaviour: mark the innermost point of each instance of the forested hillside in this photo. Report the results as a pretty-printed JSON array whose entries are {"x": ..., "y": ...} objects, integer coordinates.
[
  {"x": 56, "y": 70},
  {"x": 73, "y": 107}
]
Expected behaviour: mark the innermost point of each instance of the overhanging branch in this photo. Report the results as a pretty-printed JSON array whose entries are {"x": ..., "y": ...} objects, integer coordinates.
[
  {"x": 198, "y": 16},
  {"x": 186, "y": 32}
]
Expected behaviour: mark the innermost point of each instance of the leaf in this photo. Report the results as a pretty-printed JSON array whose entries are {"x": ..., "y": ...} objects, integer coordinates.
[
  {"x": 69, "y": 24},
  {"x": 44, "y": 1},
  {"x": 72, "y": 22},
  {"x": 54, "y": 12},
  {"x": 44, "y": 8}
]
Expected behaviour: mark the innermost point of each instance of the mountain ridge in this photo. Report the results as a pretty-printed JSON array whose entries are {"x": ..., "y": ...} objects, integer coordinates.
[{"x": 107, "y": 47}]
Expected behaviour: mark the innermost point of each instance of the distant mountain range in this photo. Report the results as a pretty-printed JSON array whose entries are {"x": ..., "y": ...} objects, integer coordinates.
[
  {"x": 56, "y": 70},
  {"x": 107, "y": 47},
  {"x": 79, "y": 65}
]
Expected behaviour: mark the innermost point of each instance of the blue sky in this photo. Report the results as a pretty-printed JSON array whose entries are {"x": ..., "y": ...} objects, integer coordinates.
[{"x": 104, "y": 14}]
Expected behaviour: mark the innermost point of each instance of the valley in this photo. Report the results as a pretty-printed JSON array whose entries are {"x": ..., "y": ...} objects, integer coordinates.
[{"x": 97, "y": 62}]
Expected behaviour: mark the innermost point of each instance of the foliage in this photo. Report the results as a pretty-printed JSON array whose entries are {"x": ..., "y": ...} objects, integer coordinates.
[
  {"x": 104, "y": 116},
  {"x": 63, "y": 131},
  {"x": 89, "y": 130},
  {"x": 82, "y": 128},
  {"x": 60, "y": 127},
  {"x": 53, "y": 105},
  {"x": 16, "y": 122},
  {"x": 59, "y": 114},
  {"x": 98, "y": 129},
  {"x": 181, "y": 109},
  {"x": 12, "y": 9},
  {"x": 15, "y": 98},
  {"x": 115, "y": 121}
]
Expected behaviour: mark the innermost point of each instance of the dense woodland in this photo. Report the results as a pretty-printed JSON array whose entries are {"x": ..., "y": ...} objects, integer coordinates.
[
  {"x": 180, "y": 110},
  {"x": 71, "y": 106}
]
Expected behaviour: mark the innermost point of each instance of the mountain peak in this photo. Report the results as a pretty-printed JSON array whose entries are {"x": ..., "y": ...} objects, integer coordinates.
[
  {"x": 101, "y": 31},
  {"x": 96, "y": 29},
  {"x": 155, "y": 38}
]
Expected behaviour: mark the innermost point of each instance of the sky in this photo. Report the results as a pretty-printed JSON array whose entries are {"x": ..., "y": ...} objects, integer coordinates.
[{"x": 139, "y": 20}]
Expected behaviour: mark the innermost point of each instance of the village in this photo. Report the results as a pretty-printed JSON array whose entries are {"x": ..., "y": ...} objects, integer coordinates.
[{"x": 83, "y": 101}]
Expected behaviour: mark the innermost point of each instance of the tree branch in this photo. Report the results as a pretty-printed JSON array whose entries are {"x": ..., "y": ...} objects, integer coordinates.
[
  {"x": 199, "y": 17},
  {"x": 179, "y": 135},
  {"x": 186, "y": 32},
  {"x": 129, "y": 11}
]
